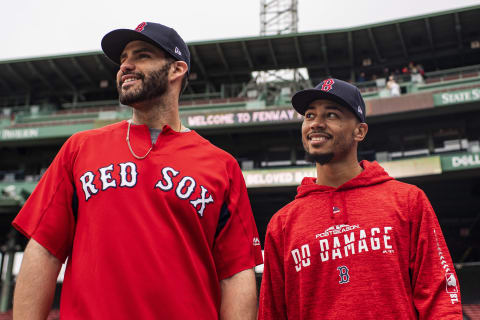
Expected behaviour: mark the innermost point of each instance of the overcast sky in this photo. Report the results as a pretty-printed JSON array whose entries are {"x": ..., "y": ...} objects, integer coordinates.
[{"x": 35, "y": 28}]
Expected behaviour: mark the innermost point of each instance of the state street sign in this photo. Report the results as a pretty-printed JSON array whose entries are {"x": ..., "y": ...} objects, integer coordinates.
[
  {"x": 454, "y": 97},
  {"x": 460, "y": 161}
]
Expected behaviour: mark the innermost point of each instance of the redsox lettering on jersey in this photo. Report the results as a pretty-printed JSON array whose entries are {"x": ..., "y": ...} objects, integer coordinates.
[{"x": 185, "y": 188}]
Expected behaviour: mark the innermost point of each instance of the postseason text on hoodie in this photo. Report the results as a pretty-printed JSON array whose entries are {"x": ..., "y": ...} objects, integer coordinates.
[{"x": 369, "y": 249}]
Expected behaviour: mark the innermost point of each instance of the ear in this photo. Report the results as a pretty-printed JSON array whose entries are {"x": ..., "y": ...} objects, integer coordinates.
[
  {"x": 178, "y": 70},
  {"x": 360, "y": 131}
]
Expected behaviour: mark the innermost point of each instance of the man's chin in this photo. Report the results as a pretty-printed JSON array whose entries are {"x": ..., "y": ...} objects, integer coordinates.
[
  {"x": 130, "y": 99},
  {"x": 320, "y": 158}
]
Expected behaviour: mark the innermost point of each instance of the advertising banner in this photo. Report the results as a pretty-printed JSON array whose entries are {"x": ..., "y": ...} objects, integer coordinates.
[
  {"x": 460, "y": 161},
  {"x": 240, "y": 118},
  {"x": 9, "y": 134},
  {"x": 293, "y": 176},
  {"x": 454, "y": 97}
]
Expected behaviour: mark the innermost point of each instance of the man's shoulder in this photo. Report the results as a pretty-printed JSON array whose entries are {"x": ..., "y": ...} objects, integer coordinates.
[
  {"x": 400, "y": 186},
  {"x": 399, "y": 192},
  {"x": 77, "y": 141},
  {"x": 108, "y": 129}
]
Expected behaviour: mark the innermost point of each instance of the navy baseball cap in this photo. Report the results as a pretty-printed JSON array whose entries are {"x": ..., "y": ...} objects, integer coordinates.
[
  {"x": 157, "y": 34},
  {"x": 342, "y": 92}
]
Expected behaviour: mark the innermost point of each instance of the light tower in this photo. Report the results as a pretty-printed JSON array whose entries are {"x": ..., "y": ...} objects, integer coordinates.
[
  {"x": 278, "y": 16},
  {"x": 276, "y": 86}
]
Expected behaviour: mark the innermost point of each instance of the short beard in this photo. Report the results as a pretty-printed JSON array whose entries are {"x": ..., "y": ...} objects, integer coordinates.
[
  {"x": 321, "y": 159},
  {"x": 154, "y": 85},
  {"x": 324, "y": 158}
]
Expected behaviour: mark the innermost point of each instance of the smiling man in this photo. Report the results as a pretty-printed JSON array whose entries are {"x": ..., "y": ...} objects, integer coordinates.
[
  {"x": 355, "y": 243},
  {"x": 155, "y": 221}
]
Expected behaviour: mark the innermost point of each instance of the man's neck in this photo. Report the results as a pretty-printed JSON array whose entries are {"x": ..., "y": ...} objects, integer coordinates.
[
  {"x": 335, "y": 174},
  {"x": 157, "y": 113}
]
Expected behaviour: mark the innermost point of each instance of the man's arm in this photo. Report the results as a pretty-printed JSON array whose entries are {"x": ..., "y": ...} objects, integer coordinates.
[
  {"x": 273, "y": 305},
  {"x": 36, "y": 283},
  {"x": 239, "y": 296},
  {"x": 436, "y": 293}
]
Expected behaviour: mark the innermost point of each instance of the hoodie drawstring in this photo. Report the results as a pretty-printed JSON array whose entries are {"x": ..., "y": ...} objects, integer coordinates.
[{"x": 344, "y": 207}]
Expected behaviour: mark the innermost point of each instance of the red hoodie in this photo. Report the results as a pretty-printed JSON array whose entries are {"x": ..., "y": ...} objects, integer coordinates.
[{"x": 369, "y": 249}]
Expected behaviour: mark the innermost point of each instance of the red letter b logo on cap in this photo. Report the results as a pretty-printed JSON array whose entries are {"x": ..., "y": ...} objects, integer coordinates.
[
  {"x": 140, "y": 27},
  {"x": 327, "y": 84}
]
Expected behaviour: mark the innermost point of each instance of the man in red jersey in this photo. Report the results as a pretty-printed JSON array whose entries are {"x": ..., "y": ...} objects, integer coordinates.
[
  {"x": 355, "y": 243},
  {"x": 155, "y": 221}
]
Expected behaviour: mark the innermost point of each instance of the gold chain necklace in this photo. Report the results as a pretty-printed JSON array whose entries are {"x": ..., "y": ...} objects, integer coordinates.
[{"x": 130, "y": 147}]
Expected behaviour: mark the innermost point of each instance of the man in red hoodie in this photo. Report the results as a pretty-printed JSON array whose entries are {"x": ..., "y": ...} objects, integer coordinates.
[{"x": 355, "y": 243}]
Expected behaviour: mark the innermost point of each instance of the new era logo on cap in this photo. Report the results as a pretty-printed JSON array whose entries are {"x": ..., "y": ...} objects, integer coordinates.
[
  {"x": 177, "y": 51},
  {"x": 360, "y": 110}
]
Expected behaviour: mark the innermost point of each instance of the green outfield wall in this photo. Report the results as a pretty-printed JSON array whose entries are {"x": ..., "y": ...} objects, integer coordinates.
[
  {"x": 292, "y": 176},
  {"x": 33, "y": 133}
]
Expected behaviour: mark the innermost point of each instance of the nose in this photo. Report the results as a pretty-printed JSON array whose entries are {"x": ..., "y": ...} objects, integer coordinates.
[
  {"x": 126, "y": 66},
  {"x": 317, "y": 123}
]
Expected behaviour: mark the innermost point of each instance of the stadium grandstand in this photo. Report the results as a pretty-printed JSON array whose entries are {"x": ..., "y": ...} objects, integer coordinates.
[{"x": 427, "y": 134}]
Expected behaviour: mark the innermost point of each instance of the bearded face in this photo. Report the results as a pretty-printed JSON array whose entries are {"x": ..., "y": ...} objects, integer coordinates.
[
  {"x": 340, "y": 147},
  {"x": 148, "y": 86},
  {"x": 328, "y": 132}
]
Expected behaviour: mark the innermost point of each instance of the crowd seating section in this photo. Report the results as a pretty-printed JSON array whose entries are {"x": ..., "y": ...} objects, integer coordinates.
[
  {"x": 48, "y": 123},
  {"x": 216, "y": 101},
  {"x": 453, "y": 74},
  {"x": 438, "y": 81},
  {"x": 432, "y": 80}
]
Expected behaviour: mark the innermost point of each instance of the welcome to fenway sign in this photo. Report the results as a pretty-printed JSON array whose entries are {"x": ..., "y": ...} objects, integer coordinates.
[{"x": 243, "y": 117}]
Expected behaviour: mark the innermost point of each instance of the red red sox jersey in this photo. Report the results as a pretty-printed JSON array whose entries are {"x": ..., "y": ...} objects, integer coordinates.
[
  {"x": 369, "y": 249},
  {"x": 145, "y": 239}
]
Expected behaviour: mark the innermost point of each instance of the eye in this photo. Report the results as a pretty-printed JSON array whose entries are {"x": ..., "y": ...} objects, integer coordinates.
[
  {"x": 309, "y": 115},
  {"x": 143, "y": 56},
  {"x": 332, "y": 115}
]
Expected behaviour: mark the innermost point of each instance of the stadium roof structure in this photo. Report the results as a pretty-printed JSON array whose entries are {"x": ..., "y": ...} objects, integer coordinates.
[{"x": 438, "y": 41}]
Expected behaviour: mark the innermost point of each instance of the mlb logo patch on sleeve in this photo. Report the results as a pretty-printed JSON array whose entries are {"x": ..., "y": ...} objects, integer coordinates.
[{"x": 451, "y": 283}]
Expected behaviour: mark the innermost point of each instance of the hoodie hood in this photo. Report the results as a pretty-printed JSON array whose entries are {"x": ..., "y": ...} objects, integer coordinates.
[{"x": 372, "y": 174}]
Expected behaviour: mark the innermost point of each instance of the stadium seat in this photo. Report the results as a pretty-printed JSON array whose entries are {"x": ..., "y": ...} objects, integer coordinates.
[{"x": 432, "y": 80}]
